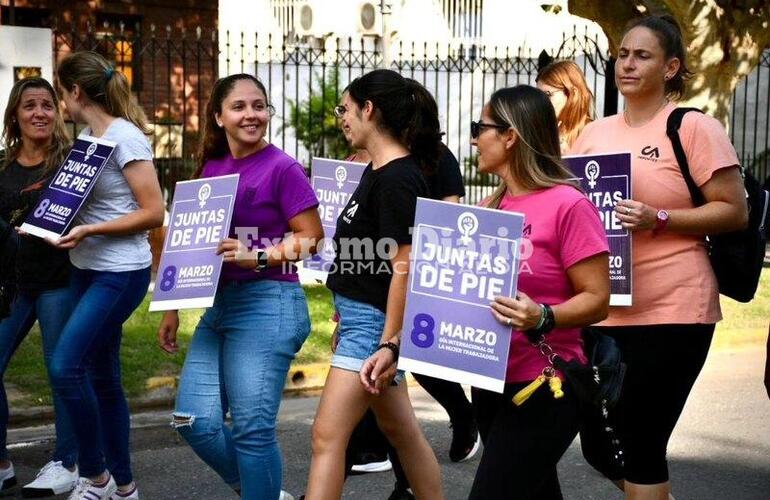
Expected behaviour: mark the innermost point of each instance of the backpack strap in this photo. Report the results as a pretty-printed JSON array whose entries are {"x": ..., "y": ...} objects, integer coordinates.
[{"x": 673, "y": 124}]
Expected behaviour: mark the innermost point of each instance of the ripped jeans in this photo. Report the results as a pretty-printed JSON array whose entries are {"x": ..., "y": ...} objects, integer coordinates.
[{"x": 237, "y": 361}]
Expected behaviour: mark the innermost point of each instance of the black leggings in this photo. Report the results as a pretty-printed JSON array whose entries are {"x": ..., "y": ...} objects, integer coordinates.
[
  {"x": 368, "y": 437},
  {"x": 663, "y": 362},
  {"x": 522, "y": 444}
]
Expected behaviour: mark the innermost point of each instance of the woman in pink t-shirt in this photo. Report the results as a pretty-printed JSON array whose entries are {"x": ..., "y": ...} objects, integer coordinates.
[
  {"x": 563, "y": 286},
  {"x": 666, "y": 334}
]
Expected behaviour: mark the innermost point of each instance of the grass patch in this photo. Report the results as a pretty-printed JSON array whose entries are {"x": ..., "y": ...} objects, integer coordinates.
[
  {"x": 142, "y": 358},
  {"x": 744, "y": 324}
]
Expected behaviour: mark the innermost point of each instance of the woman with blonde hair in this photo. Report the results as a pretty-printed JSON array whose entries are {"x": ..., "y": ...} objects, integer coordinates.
[
  {"x": 565, "y": 85},
  {"x": 35, "y": 142},
  {"x": 563, "y": 287},
  {"x": 111, "y": 260}
]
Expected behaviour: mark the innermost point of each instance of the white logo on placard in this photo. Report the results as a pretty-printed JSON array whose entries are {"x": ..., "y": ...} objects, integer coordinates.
[
  {"x": 204, "y": 193},
  {"x": 468, "y": 224},
  {"x": 592, "y": 173},
  {"x": 341, "y": 174},
  {"x": 91, "y": 150},
  {"x": 328, "y": 251}
]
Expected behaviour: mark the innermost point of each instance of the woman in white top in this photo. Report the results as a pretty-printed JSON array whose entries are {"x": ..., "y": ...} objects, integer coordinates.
[{"x": 111, "y": 257}]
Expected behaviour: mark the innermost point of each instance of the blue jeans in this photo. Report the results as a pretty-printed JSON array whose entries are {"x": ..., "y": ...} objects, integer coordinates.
[
  {"x": 51, "y": 308},
  {"x": 359, "y": 334},
  {"x": 85, "y": 367},
  {"x": 238, "y": 360}
]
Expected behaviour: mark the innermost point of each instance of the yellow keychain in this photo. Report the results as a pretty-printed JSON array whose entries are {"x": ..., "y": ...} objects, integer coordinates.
[
  {"x": 554, "y": 383},
  {"x": 525, "y": 393}
]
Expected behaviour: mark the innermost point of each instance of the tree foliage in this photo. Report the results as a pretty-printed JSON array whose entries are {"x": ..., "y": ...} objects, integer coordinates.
[
  {"x": 313, "y": 120},
  {"x": 725, "y": 39}
]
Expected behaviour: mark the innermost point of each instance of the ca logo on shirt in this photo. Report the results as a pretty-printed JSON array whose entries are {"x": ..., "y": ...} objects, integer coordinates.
[
  {"x": 350, "y": 212},
  {"x": 650, "y": 153}
]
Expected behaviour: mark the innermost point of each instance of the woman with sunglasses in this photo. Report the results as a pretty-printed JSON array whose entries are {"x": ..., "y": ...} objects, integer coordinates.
[
  {"x": 563, "y": 285},
  {"x": 242, "y": 347},
  {"x": 396, "y": 121}
]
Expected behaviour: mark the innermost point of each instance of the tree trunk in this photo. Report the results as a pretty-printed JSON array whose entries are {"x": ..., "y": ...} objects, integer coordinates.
[{"x": 724, "y": 40}]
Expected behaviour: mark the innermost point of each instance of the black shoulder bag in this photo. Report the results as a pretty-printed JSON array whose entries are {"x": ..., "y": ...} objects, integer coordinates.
[{"x": 736, "y": 257}]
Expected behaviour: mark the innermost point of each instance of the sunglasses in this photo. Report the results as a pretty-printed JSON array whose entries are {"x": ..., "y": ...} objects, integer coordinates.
[{"x": 477, "y": 127}]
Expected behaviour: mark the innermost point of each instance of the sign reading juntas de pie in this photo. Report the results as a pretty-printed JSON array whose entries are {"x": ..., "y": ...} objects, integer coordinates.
[
  {"x": 606, "y": 179},
  {"x": 70, "y": 186},
  {"x": 189, "y": 268},
  {"x": 462, "y": 258},
  {"x": 334, "y": 182}
]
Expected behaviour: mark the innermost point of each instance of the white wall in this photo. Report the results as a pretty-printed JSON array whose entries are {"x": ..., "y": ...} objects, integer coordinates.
[{"x": 23, "y": 47}]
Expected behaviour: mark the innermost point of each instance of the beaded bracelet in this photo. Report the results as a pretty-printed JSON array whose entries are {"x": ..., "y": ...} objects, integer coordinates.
[{"x": 391, "y": 346}]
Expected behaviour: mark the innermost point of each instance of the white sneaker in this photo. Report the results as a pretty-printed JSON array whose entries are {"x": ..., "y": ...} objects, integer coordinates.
[
  {"x": 285, "y": 495},
  {"x": 134, "y": 495},
  {"x": 7, "y": 478},
  {"x": 371, "y": 467},
  {"x": 87, "y": 490},
  {"x": 53, "y": 479}
]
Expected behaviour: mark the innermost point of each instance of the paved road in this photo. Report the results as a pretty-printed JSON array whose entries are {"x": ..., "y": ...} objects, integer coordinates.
[{"x": 721, "y": 449}]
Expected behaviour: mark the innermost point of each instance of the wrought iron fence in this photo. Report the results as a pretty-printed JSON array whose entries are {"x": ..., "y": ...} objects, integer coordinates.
[{"x": 172, "y": 73}]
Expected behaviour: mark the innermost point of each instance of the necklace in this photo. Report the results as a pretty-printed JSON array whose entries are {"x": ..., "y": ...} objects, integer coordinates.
[{"x": 625, "y": 115}]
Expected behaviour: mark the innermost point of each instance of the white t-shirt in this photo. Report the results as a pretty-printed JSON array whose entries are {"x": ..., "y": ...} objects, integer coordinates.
[{"x": 111, "y": 198}]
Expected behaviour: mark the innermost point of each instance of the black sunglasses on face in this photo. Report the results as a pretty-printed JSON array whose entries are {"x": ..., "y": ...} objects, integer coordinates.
[{"x": 476, "y": 128}]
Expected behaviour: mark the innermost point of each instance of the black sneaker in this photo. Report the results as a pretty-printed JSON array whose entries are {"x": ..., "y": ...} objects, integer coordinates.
[
  {"x": 401, "y": 493},
  {"x": 465, "y": 440},
  {"x": 368, "y": 462}
]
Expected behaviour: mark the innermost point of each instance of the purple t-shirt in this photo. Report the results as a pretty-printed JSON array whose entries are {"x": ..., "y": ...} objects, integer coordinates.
[{"x": 272, "y": 189}]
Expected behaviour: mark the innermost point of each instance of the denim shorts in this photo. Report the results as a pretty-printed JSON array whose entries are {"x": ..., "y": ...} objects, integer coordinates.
[{"x": 359, "y": 334}]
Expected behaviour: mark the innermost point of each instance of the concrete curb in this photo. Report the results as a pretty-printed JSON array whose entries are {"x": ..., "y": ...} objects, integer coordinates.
[{"x": 302, "y": 380}]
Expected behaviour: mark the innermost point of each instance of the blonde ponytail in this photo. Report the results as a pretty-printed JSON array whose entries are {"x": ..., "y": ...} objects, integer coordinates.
[{"x": 103, "y": 84}]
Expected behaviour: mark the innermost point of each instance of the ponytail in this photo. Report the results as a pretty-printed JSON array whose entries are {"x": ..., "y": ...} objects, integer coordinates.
[
  {"x": 122, "y": 103},
  {"x": 104, "y": 85},
  {"x": 423, "y": 134},
  {"x": 405, "y": 110}
]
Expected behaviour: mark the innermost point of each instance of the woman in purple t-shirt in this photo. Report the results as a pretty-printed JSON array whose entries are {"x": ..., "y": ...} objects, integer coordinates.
[
  {"x": 240, "y": 353},
  {"x": 563, "y": 285}
]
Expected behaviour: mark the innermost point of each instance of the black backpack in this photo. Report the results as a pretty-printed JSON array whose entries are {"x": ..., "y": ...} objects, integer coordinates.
[{"x": 736, "y": 257}]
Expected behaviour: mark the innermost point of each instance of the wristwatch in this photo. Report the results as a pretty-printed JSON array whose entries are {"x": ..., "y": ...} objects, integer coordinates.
[
  {"x": 261, "y": 260},
  {"x": 661, "y": 221}
]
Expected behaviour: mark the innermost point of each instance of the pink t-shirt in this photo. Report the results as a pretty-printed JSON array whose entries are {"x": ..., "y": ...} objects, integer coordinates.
[
  {"x": 561, "y": 228},
  {"x": 673, "y": 282}
]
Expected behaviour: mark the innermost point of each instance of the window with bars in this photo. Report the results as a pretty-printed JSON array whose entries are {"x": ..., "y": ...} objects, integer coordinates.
[{"x": 121, "y": 35}]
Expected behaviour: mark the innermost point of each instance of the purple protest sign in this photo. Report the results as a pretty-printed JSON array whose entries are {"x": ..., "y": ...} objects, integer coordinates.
[
  {"x": 60, "y": 202},
  {"x": 606, "y": 179},
  {"x": 334, "y": 182},
  {"x": 462, "y": 258},
  {"x": 189, "y": 268}
]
